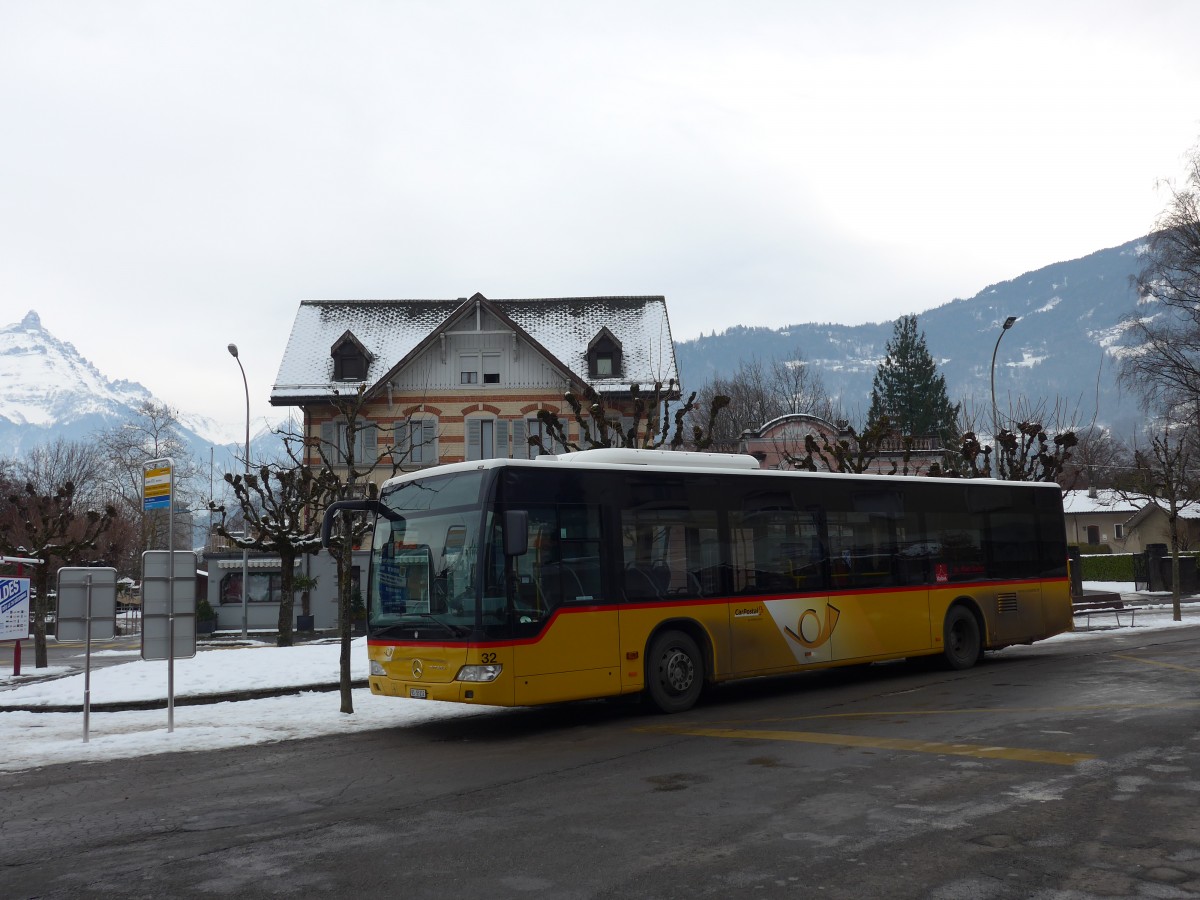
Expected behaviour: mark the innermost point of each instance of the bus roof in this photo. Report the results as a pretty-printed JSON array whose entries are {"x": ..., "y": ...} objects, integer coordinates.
[{"x": 608, "y": 458}]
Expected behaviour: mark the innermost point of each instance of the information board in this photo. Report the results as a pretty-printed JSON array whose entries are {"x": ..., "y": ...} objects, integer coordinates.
[
  {"x": 168, "y": 576},
  {"x": 156, "y": 488},
  {"x": 73, "y": 613},
  {"x": 14, "y": 609}
]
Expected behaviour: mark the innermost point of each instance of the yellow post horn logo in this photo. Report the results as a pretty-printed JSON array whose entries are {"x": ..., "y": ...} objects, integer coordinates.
[{"x": 824, "y": 632}]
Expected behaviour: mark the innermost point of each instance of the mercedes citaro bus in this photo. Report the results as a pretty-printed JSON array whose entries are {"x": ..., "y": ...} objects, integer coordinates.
[{"x": 611, "y": 572}]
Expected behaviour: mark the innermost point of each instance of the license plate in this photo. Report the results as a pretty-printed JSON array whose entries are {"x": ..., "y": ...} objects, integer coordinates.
[{"x": 418, "y": 693}]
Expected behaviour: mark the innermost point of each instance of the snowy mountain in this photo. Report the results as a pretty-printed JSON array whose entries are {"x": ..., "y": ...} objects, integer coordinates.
[
  {"x": 51, "y": 391},
  {"x": 1064, "y": 347}
]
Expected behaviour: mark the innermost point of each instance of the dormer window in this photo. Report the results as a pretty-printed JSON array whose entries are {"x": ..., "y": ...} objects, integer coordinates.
[
  {"x": 604, "y": 356},
  {"x": 350, "y": 359}
]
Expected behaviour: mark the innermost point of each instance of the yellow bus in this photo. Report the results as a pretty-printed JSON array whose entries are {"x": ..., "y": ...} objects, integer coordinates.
[{"x": 611, "y": 572}]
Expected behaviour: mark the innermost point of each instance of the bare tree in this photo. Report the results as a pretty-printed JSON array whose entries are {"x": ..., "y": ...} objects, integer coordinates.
[
  {"x": 280, "y": 508},
  {"x": 1164, "y": 332},
  {"x": 651, "y": 426},
  {"x": 346, "y": 467},
  {"x": 152, "y": 434},
  {"x": 53, "y": 525},
  {"x": 1164, "y": 472},
  {"x": 759, "y": 393}
]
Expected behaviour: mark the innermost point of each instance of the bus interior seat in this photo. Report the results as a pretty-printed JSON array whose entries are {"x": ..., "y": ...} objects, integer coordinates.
[
  {"x": 660, "y": 574},
  {"x": 639, "y": 585}
]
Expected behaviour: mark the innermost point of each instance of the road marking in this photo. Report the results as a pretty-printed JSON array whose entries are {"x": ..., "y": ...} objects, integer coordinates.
[
  {"x": 891, "y": 714},
  {"x": 1152, "y": 662},
  {"x": 977, "y": 751}
]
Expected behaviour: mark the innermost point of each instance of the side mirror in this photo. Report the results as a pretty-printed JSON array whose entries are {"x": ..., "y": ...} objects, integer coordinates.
[{"x": 516, "y": 532}]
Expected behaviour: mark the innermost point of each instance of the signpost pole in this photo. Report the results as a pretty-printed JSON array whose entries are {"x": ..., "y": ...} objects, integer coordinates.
[
  {"x": 17, "y": 649},
  {"x": 171, "y": 607},
  {"x": 17, "y": 659},
  {"x": 87, "y": 659},
  {"x": 159, "y": 493}
]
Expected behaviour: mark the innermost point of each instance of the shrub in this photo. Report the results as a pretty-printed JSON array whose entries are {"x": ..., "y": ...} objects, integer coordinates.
[{"x": 1108, "y": 567}]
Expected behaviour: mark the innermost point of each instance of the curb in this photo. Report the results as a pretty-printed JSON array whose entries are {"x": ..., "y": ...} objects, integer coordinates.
[{"x": 194, "y": 700}]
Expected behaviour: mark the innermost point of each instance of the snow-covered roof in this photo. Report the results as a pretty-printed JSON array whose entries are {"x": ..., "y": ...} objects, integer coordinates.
[
  {"x": 391, "y": 330},
  {"x": 1110, "y": 501},
  {"x": 1105, "y": 500}
]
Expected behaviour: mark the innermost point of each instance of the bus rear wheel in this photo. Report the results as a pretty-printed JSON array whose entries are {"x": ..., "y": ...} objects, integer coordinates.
[
  {"x": 674, "y": 672},
  {"x": 962, "y": 643}
]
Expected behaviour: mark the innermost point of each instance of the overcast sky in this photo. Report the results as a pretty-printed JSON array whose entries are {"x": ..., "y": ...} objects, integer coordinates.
[{"x": 177, "y": 176}]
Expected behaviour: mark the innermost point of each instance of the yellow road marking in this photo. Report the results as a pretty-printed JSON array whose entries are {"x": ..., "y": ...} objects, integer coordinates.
[
  {"x": 1152, "y": 662},
  {"x": 1092, "y": 707},
  {"x": 882, "y": 743}
]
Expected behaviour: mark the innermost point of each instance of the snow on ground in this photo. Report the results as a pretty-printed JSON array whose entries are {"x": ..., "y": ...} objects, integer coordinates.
[{"x": 33, "y": 739}]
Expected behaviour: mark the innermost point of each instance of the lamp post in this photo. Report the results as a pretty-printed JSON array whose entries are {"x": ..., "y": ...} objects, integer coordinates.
[
  {"x": 233, "y": 351},
  {"x": 1008, "y": 323}
]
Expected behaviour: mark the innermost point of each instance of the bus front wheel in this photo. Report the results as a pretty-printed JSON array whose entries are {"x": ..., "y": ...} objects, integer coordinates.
[
  {"x": 674, "y": 672},
  {"x": 962, "y": 643}
]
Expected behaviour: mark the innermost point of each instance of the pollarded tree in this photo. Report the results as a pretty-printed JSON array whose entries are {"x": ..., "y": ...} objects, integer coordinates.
[
  {"x": 280, "y": 509},
  {"x": 349, "y": 453},
  {"x": 55, "y": 527},
  {"x": 908, "y": 389},
  {"x": 652, "y": 425}
]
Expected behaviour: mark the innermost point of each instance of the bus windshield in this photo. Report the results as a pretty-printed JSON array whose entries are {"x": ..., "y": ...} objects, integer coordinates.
[{"x": 424, "y": 560}]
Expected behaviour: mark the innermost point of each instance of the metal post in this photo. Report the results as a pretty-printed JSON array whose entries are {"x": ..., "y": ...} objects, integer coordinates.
[
  {"x": 17, "y": 649},
  {"x": 171, "y": 606},
  {"x": 87, "y": 658},
  {"x": 1008, "y": 323},
  {"x": 233, "y": 351}
]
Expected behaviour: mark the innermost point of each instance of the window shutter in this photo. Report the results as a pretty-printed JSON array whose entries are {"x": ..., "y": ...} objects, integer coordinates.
[
  {"x": 473, "y": 438},
  {"x": 429, "y": 441},
  {"x": 520, "y": 441},
  {"x": 368, "y": 439},
  {"x": 402, "y": 451},
  {"x": 501, "y": 439},
  {"x": 328, "y": 442}
]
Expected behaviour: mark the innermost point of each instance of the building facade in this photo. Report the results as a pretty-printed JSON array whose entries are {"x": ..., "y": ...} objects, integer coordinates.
[{"x": 402, "y": 385}]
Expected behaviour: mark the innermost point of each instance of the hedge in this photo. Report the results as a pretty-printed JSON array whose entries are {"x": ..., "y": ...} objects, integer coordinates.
[{"x": 1109, "y": 567}]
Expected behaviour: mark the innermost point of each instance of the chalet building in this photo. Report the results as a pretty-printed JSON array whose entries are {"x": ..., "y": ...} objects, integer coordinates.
[
  {"x": 443, "y": 381},
  {"x": 453, "y": 380}
]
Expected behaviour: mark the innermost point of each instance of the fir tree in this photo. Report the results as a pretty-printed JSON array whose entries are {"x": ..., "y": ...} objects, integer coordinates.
[{"x": 908, "y": 389}]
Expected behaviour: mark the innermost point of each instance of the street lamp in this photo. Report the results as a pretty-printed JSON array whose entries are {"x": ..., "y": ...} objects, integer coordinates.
[
  {"x": 233, "y": 351},
  {"x": 1008, "y": 323}
]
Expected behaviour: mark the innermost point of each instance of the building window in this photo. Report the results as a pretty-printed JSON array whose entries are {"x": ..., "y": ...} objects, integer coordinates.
[
  {"x": 264, "y": 587},
  {"x": 487, "y": 438},
  {"x": 416, "y": 442},
  {"x": 1119, "y": 531},
  {"x": 335, "y": 441},
  {"x": 604, "y": 355},
  {"x": 491, "y": 368}
]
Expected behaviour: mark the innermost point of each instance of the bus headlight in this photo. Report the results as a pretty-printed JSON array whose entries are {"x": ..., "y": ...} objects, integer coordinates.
[
  {"x": 479, "y": 673},
  {"x": 377, "y": 668}
]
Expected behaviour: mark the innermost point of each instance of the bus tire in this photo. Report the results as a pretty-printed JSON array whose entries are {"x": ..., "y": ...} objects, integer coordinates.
[
  {"x": 962, "y": 645},
  {"x": 674, "y": 672}
]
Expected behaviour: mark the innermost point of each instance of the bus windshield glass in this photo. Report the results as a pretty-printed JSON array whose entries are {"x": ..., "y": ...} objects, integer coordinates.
[{"x": 424, "y": 559}]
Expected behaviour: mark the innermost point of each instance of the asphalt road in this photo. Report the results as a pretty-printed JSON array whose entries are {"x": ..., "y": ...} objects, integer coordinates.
[
  {"x": 1067, "y": 770},
  {"x": 68, "y": 653}
]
